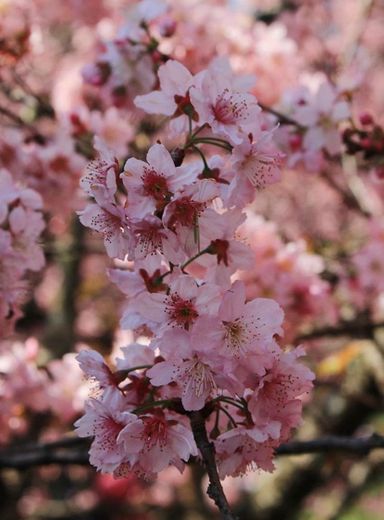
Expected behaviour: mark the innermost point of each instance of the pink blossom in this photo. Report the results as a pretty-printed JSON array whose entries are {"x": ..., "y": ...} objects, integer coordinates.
[
  {"x": 247, "y": 326},
  {"x": 112, "y": 222},
  {"x": 99, "y": 180},
  {"x": 243, "y": 449},
  {"x": 193, "y": 364},
  {"x": 157, "y": 441},
  {"x": 230, "y": 112},
  {"x": 322, "y": 115},
  {"x": 173, "y": 97},
  {"x": 104, "y": 419},
  {"x": 182, "y": 304},
  {"x": 151, "y": 185},
  {"x": 256, "y": 164},
  {"x": 151, "y": 237},
  {"x": 278, "y": 396},
  {"x": 94, "y": 367}
]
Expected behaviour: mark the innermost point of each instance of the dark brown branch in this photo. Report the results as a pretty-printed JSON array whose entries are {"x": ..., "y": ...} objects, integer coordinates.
[
  {"x": 354, "y": 328},
  {"x": 29, "y": 459},
  {"x": 73, "y": 450},
  {"x": 207, "y": 450},
  {"x": 282, "y": 118},
  {"x": 347, "y": 197},
  {"x": 20, "y": 122},
  {"x": 333, "y": 443}
]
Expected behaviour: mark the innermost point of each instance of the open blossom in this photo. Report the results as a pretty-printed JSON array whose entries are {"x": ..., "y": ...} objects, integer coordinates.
[
  {"x": 150, "y": 236},
  {"x": 256, "y": 163},
  {"x": 189, "y": 209},
  {"x": 180, "y": 306},
  {"x": 229, "y": 111},
  {"x": 94, "y": 367},
  {"x": 321, "y": 115},
  {"x": 157, "y": 441},
  {"x": 242, "y": 449},
  {"x": 173, "y": 97},
  {"x": 247, "y": 326},
  {"x": 278, "y": 396},
  {"x": 193, "y": 364},
  {"x": 112, "y": 222},
  {"x": 104, "y": 420},
  {"x": 227, "y": 252},
  {"x": 99, "y": 180},
  {"x": 151, "y": 185}
]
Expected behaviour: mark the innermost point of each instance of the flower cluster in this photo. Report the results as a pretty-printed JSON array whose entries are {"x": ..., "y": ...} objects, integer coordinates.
[
  {"x": 175, "y": 217},
  {"x": 315, "y": 114},
  {"x": 126, "y": 65},
  {"x": 21, "y": 223},
  {"x": 27, "y": 388},
  {"x": 290, "y": 274}
]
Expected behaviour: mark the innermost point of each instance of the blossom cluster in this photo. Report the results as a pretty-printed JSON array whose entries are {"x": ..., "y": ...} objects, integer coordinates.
[
  {"x": 21, "y": 224},
  {"x": 290, "y": 274},
  {"x": 28, "y": 388},
  {"x": 316, "y": 112},
  {"x": 174, "y": 217}
]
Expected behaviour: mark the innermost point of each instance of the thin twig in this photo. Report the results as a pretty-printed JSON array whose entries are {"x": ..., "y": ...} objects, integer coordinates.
[
  {"x": 282, "y": 118},
  {"x": 348, "y": 197},
  {"x": 20, "y": 122}
]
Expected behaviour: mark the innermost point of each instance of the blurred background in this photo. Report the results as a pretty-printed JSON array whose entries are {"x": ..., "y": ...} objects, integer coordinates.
[{"x": 318, "y": 239}]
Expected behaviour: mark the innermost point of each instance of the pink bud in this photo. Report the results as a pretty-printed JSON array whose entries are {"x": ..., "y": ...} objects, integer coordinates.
[
  {"x": 167, "y": 27},
  {"x": 96, "y": 74},
  {"x": 295, "y": 142},
  {"x": 366, "y": 119},
  {"x": 366, "y": 142}
]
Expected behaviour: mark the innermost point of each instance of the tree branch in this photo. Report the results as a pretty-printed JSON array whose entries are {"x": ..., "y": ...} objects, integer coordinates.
[
  {"x": 354, "y": 328},
  {"x": 282, "y": 118},
  {"x": 73, "y": 450},
  {"x": 333, "y": 443},
  {"x": 36, "y": 135},
  {"x": 348, "y": 197},
  {"x": 207, "y": 450}
]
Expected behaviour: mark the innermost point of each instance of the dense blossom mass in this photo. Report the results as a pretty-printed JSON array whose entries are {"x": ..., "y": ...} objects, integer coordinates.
[
  {"x": 227, "y": 160},
  {"x": 209, "y": 348}
]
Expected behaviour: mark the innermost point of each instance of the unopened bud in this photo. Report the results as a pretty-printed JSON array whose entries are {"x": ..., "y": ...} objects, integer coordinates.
[
  {"x": 178, "y": 155},
  {"x": 366, "y": 119}
]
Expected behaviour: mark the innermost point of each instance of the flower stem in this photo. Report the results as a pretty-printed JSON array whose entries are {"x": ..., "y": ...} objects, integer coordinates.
[{"x": 193, "y": 258}]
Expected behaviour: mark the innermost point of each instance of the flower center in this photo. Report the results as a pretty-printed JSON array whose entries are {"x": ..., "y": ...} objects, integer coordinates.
[
  {"x": 259, "y": 168},
  {"x": 182, "y": 312},
  {"x": 229, "y": 108},
  {"x": 150, "y": 238},
  {"x": 155, "y": 185},
  {"x": 155, "y": 431},
  {"x": 185, "y": 212},
  {"x": 238, "y": 335},
  {"x": 200, "y": 377},
  {"x": 234, "y": 336}
]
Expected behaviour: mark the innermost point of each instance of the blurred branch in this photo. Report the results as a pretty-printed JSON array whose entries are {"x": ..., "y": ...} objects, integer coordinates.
[
  {"x": 356, "y": 445},
  {"x": 348, "y": 197},
  {"x": 355, "y": 328},
  {"x": 73, "y": 450},
  {"x": 282, "y": 118},
  {"x": 29, "y": 459},
  {"x": 20, "y": 122}
]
